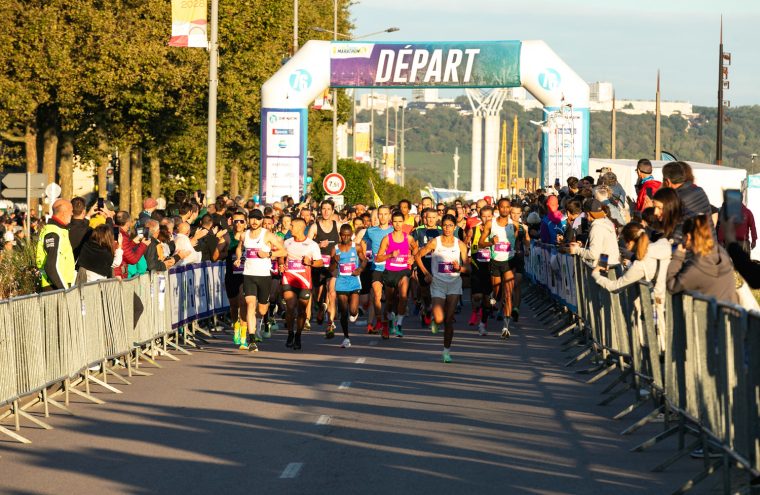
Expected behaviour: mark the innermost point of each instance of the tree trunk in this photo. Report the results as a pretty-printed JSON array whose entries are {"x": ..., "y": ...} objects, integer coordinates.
[
  {"x": 219, "y": 189},
  {"x": 136, "y": 161},
  {"x": 32, "y": 165},
  {"x": 66, "y": 168},
  {"x": 155, "y": 175},
  {"x": 104, "y": 160},
  {"x": 49, "y": 152},
  {"x": 235, "y": 180},
  {"x": 124, "y": 175},
  {"x": 247, "y": 184}
]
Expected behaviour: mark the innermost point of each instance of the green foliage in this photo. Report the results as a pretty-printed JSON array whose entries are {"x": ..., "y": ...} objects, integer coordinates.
[
  {"x": 18, "y": 271},
  {"x": 358, "y": 190}
]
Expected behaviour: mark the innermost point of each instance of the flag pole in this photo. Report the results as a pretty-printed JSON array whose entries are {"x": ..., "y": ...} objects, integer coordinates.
[{"x": 213, "y": 83}]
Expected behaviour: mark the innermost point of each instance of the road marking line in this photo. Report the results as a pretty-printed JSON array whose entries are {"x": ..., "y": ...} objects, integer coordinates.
[
  {"x": 291, "y": 470},
  {"x": 323, "y": 420},
  {"x": 361, "y": 360},
  {"x": 344, "y": 385}
]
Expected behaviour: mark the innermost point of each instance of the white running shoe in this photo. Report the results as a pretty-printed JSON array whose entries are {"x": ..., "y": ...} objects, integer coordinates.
[
  {"x": 345, "y": 344},
  {"x": 353, "y": 318},
  {"x": 482, "y": 329}
]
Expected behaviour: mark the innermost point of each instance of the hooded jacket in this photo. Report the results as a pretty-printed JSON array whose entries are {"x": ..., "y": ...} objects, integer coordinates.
[
  {"x": 645, "y": 269},
  {"x": 602, "y": 239},
  {"x": 711, "y": 275}
]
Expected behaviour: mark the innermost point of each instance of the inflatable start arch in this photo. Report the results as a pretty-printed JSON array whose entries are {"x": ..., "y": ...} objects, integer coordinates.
[{"x": 286, "y": 96}]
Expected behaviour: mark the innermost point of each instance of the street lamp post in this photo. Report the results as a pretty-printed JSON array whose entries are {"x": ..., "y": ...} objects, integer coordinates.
[
  {"x": 335, "y": 97},
  {"x": 403, "y": 162}
]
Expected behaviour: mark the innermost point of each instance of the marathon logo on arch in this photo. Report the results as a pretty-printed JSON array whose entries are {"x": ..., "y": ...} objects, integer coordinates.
[
  {"x": 351, "y": 50},
  {"x": 549, "y": 79},
  {"x": 432, "y": 64}
]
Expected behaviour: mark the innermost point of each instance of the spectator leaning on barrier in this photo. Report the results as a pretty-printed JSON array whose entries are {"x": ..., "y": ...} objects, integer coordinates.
[
  {"x": 668, "y": 211},
  {"x": 184, "y": 245},
  {"x": 99, "y": 255},
  {"x": 650, "y": 262},
  {"x": 675, "y": 175},
  {"x": 156, "y": 262},
  {"x": 602, "y": 238},
  {"x": 553, "y": 223},
  {"x": 646, "y": 186},
  {"x": 55, "y": 258},
  {"x": 133, "y": 251},
  {"x": 709, "y": 271}
]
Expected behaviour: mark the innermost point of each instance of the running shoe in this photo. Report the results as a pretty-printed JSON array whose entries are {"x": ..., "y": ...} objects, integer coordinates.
[
  {"x": 515, "y": 314},
  {"x": 427, "y": 320},
  {"x": 345, "y": 344},
  {"x": 321, "y": 313},
  {"x": 384, "y": 332},
  {"x": 492, "y": 301},
  {"x": 393, "y": 327},
  {"x": 236, "y": 335},
  {"x": 330, "y": 332},
  {"x": 482, "y": 329},
  {"x": 505, "y": 330},
  {"x": 353, "y": 318},
  {"x": 249, "y": 346},
  {"x": 399, "y": 331},
  {"x": 433, "y": 327},
  {"x": 297, "y": 342},
  {"x": 446, "y": 356},
  {"x": 291, "y": 338},
  {"x": 307, "y": 326},
  {"x": 371, "y": 329},
  {"x": 473, "y": 318}
]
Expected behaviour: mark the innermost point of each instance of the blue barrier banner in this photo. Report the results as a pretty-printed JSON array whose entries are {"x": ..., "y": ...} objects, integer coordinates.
[
  {"x": 554, "y": 271},
  {"x": 197, "y": 291}
]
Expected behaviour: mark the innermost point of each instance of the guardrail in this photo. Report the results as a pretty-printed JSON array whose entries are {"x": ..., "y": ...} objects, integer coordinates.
[
  {"x": 694, "y": 359},
  {"x": 56, "y": 343}
]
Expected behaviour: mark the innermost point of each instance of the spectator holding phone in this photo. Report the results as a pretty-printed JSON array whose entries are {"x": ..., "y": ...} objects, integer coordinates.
[
  {"x": 100, "y": 254},
  {"x": 709, "y": 270},
  {"x": 602, "y": 238},
  {"x": 133, "y": 250}
]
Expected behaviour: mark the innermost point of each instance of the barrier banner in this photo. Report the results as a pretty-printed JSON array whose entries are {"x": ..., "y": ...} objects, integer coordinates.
[
  {"x": 554, "y": 271},
  {"x": 175, "y": 288},
  {"x": 200, "y": 294},
  {"x": 453, "y": 64},
  {"x": 191, "y": 308}
]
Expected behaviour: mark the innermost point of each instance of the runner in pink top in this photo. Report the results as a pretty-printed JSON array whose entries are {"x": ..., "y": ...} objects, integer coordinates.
[{"x": 397, "y": 249}]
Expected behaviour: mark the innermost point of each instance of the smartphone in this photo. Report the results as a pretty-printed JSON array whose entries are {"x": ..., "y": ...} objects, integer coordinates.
[
  {"x": 556, "y": 182},
  {"x": 101, "y": 203},
  {"x": 603, "y": 260},
  {"x": 145, "y": 232},
  {"x": 732, "y": 202}
]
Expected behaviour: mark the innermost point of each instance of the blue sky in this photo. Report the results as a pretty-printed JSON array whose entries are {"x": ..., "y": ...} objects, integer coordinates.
[{"x": 624, "y": 42}]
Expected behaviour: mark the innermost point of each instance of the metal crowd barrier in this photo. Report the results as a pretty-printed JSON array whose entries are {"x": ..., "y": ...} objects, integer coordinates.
[
  {"x": 56, "y": 343},
  {"x": 695, "y": 359}
]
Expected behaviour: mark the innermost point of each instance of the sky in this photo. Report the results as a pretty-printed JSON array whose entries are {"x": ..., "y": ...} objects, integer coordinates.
[{"x": 621, "y": 41}]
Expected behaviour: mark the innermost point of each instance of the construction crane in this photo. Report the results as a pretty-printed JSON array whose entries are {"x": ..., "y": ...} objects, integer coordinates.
[
  {"x": 503, "y": 172},
  {"x": 513, "y": 162}
]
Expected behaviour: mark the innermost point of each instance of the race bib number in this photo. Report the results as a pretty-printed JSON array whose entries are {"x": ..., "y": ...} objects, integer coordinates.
[
  {"x": 296, "y": 266},
  {"x": 326, "y": 260},
  {"x": 483, "y": 255},
  {"x": 252, "y": 253},
  {"x": 502, "y": 247},
  {"x": 446, "y": 267},
  {"x": 399, "y": 261},
  {"x": 347, "y": 268}
]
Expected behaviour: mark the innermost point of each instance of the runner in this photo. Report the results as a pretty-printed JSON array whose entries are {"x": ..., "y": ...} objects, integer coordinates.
[
  {"x": 351, "y": 260},
  {"x": 499, "y": 235},
  {"x": 302, "y": 254},
  {"x": 325, "y": 233},
  {"x": 233, "y": 279},
  {"x": 449, "y": 261},
  {"x": 260, "y": 247},
  {"x": 405, "y": 207},
  {"x": 423, "y": 235},
  {"x": 398, "y": 249},
  {"x": 372, "y": 238},
  {"x": 480, "y": 274},
  {"x": 275, "y": 294},
  {"x": 522, "y": 245}
]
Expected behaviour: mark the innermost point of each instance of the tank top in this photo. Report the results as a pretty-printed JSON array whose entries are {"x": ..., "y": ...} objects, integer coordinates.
[
  {"x": 296, "y": 273},
  {"x": 504, "y": 250},
  {"x": 347, "y": 264},
  {"x": 332, "y": 237},
  {"x": 400, "y": 262},
  {"x": 423, "y": 236},
  {"x": 372, "y": 238},
  {"x": 443, "y": 260},
  {"x": 480, "y": 255},
  {"x": 255, "y": 266}
]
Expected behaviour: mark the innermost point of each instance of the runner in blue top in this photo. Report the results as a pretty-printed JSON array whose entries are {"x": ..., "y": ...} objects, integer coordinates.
[
  {"x": 372, "y": 239},
  {"x": 351, "y": 260}
]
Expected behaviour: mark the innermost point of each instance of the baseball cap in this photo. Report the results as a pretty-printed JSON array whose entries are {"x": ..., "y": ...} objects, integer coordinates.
[
  {"x": 595, "y": 209},
  {"x": 9, "y": 237},
  {"x": 256, "y": 213}
]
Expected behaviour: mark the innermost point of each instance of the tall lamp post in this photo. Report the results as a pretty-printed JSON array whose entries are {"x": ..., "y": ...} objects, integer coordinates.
[{"x": 402, "y": 163}]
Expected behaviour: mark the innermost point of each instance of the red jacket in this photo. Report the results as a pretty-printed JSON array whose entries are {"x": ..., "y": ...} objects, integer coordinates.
[
  {"x": 647, "y": 185},
  {"x": 132, "y": 254}
]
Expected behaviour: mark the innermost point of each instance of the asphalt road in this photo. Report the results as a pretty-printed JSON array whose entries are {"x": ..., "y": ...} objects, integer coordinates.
[{"x": 383, "y": 417}]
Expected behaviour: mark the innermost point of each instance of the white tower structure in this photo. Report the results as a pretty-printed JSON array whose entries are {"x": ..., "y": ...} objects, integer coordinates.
[{"x": 486, "y": 106}]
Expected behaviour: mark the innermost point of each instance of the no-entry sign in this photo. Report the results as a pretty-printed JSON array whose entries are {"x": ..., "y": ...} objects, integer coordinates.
[{"x": 334, "y": 184}]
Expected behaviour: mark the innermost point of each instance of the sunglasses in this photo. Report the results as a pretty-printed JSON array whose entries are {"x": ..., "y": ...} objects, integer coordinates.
[{"x": 238, "y": 221}]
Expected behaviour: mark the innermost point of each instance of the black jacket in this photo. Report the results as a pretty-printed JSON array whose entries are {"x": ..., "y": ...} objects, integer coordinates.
[
  {"x": 79, "y": 232},
  {"x": 96, "y": 258},
  {"x": 151, "y": 257},
  {"x": 694, "y": 199}
]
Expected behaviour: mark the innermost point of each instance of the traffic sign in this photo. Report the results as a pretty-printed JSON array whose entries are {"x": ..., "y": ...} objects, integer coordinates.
[
  {"x": 18, "y": 181},
  {"x": 337, "y": 199},
  {"x": 53, "y": 191},
  {"x": 334, "y": 184},
  {"x": 21, "y": 193}
]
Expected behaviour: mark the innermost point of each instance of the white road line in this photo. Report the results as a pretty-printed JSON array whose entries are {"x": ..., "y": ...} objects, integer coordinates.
[
  {"x": 323, "y": 420},
  {"x": 361, "y": 360},
  {"x": 291, "y": 470},
  {"x": 344, "y": 385}
]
